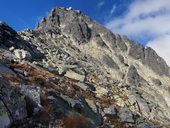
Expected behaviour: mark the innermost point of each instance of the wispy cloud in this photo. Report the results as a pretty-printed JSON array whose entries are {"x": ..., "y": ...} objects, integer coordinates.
[
  {"x": 113, "y": 9},
  {"x": 146, "y": 19},
  {"x": 100, "y": 4}
]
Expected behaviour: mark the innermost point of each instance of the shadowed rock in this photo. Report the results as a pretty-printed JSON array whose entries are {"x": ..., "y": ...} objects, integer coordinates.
[{"x": 133, "y": 78}]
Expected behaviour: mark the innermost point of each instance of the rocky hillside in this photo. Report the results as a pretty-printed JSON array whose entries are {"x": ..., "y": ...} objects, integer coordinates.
[{"x": 71, "y": 72}]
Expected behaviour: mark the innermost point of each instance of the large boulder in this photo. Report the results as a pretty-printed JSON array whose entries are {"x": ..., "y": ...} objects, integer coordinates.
[
  {"x": 73, "y": 75},
  {"x": 126, "y": 115},
  {"x": 133, "y": 78},
  {"x": 7, "y": 56},
  {"x": 12, "y": 104},
  {"x": 22, "y": 54},
  {"x": 110, "y": 110},
  {"x": 4, "y": 70},
  {"x": 31, "y": 91}
]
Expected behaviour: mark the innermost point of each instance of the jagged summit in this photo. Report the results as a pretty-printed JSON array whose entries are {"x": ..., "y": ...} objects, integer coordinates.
[
  {"x": 82, "y": 29},
  {"x": 68, "y": 21},
  {"x": 58, "y": 16},
  {"x": 72, "y": 72}
]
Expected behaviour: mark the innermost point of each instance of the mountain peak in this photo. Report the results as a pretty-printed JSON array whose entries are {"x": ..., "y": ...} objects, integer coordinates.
[
  {"x": 82, "y": 29},
  {"x": 57, "y": 16},
  {"x": 74, "y": 72}
]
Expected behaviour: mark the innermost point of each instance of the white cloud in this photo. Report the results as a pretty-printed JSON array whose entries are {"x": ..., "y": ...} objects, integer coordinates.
[
  {"x": 100, "y": 4},
  {"x": 162, "y": 45},
  {"x": 146, "y": 18}
]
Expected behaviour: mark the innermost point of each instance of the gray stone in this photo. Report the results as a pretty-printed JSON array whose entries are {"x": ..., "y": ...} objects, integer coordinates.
[
  {"x": 132, "y": 99},
  {"x": 133, "y": 78},
  {"x": 126, "y": 115},
  {"x": 33, "y": 92},
  {"x": 111, "y": 39},
  {"x": 121, "y": 58},
  {"x": 7, "y": 56},
  {"x": 12, "y": 103},
  {"x": 26, "y": 74},
  {"x": 72, "y": 103},
  {"x": 157, "y": 82},
  {"x": 136, "y": 51},
  {"x": 5, "y": 121},
  {"x": 5, "y": 70},
  {"x": 100, "y": 91},
  {"x": 110, "y": 110},
  {"x": 73, "y": 75},
  {"x": 61, "y": 106},
  {"x": 99, "y": 41},
  {"x": 92, "y": 105},
  {"x": 142, "y": 123},
  {"x": 83, "y": 86},
  {"x": 18, "y": 71},
  {"x": 110, "y": 62},
  {"x": 143, "y": 107},
  {"x": 120, "y": 43}
]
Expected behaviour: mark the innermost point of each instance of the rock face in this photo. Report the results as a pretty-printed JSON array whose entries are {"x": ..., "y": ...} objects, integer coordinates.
[
  {"x": 7, "y": 35},
  {"x": 150, "y": 58},
  {"x": 12, "y": 104},
  {"x": 133, "y": 78},
  {"x": 72, "y": 72}
]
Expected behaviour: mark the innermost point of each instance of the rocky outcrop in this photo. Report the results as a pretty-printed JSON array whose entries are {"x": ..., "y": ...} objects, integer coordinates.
[
  {"x": 12, "y": 104},
  {"x": 155, "y": 62},
  {"x": 109, "y": 62},
  {"x": 72, "y": 72},
  {"x": 70, "y": 23},
  {"x": 150, "y": 58},
  {"x": 133, "y": 78},
  {"x": 8, "y": 36},
  {"x": 74, "y": 24}
]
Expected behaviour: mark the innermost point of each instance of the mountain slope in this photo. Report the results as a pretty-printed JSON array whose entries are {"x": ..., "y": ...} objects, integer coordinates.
[{"x": 72, "y": 71}]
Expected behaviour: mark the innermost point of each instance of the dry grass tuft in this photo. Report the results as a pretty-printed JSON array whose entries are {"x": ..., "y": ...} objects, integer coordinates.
[
  {"x": 46, "y": 105},
  {"x": 12, "y": 78},
  {"x": 75, "y": 121}
]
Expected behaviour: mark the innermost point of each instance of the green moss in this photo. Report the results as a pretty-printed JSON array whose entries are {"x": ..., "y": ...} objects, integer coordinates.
[
  {"x": 3, "y": 113},
  {"x": 22, "y": 98}
]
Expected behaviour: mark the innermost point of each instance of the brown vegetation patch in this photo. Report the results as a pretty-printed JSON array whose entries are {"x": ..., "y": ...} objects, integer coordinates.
[
  {"x": 122, "y": 95},
  {"x": 75, "y": 121},
  {"x": 116, "y": 122},
  {"x": 45, "y": 103},
  {"x": 32, "y": 70},
  {"x": 12, "y": 78},
  {"x": 37, "y": 76}
]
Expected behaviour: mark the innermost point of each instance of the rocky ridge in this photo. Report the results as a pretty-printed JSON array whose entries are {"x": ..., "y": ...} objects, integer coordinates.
[{"x": 72, "y": 72}]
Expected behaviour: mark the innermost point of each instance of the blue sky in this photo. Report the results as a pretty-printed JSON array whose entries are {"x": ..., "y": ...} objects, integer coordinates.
[
  {"x": 22, "y": 14},
  {"x": 144, "y": 21}
]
